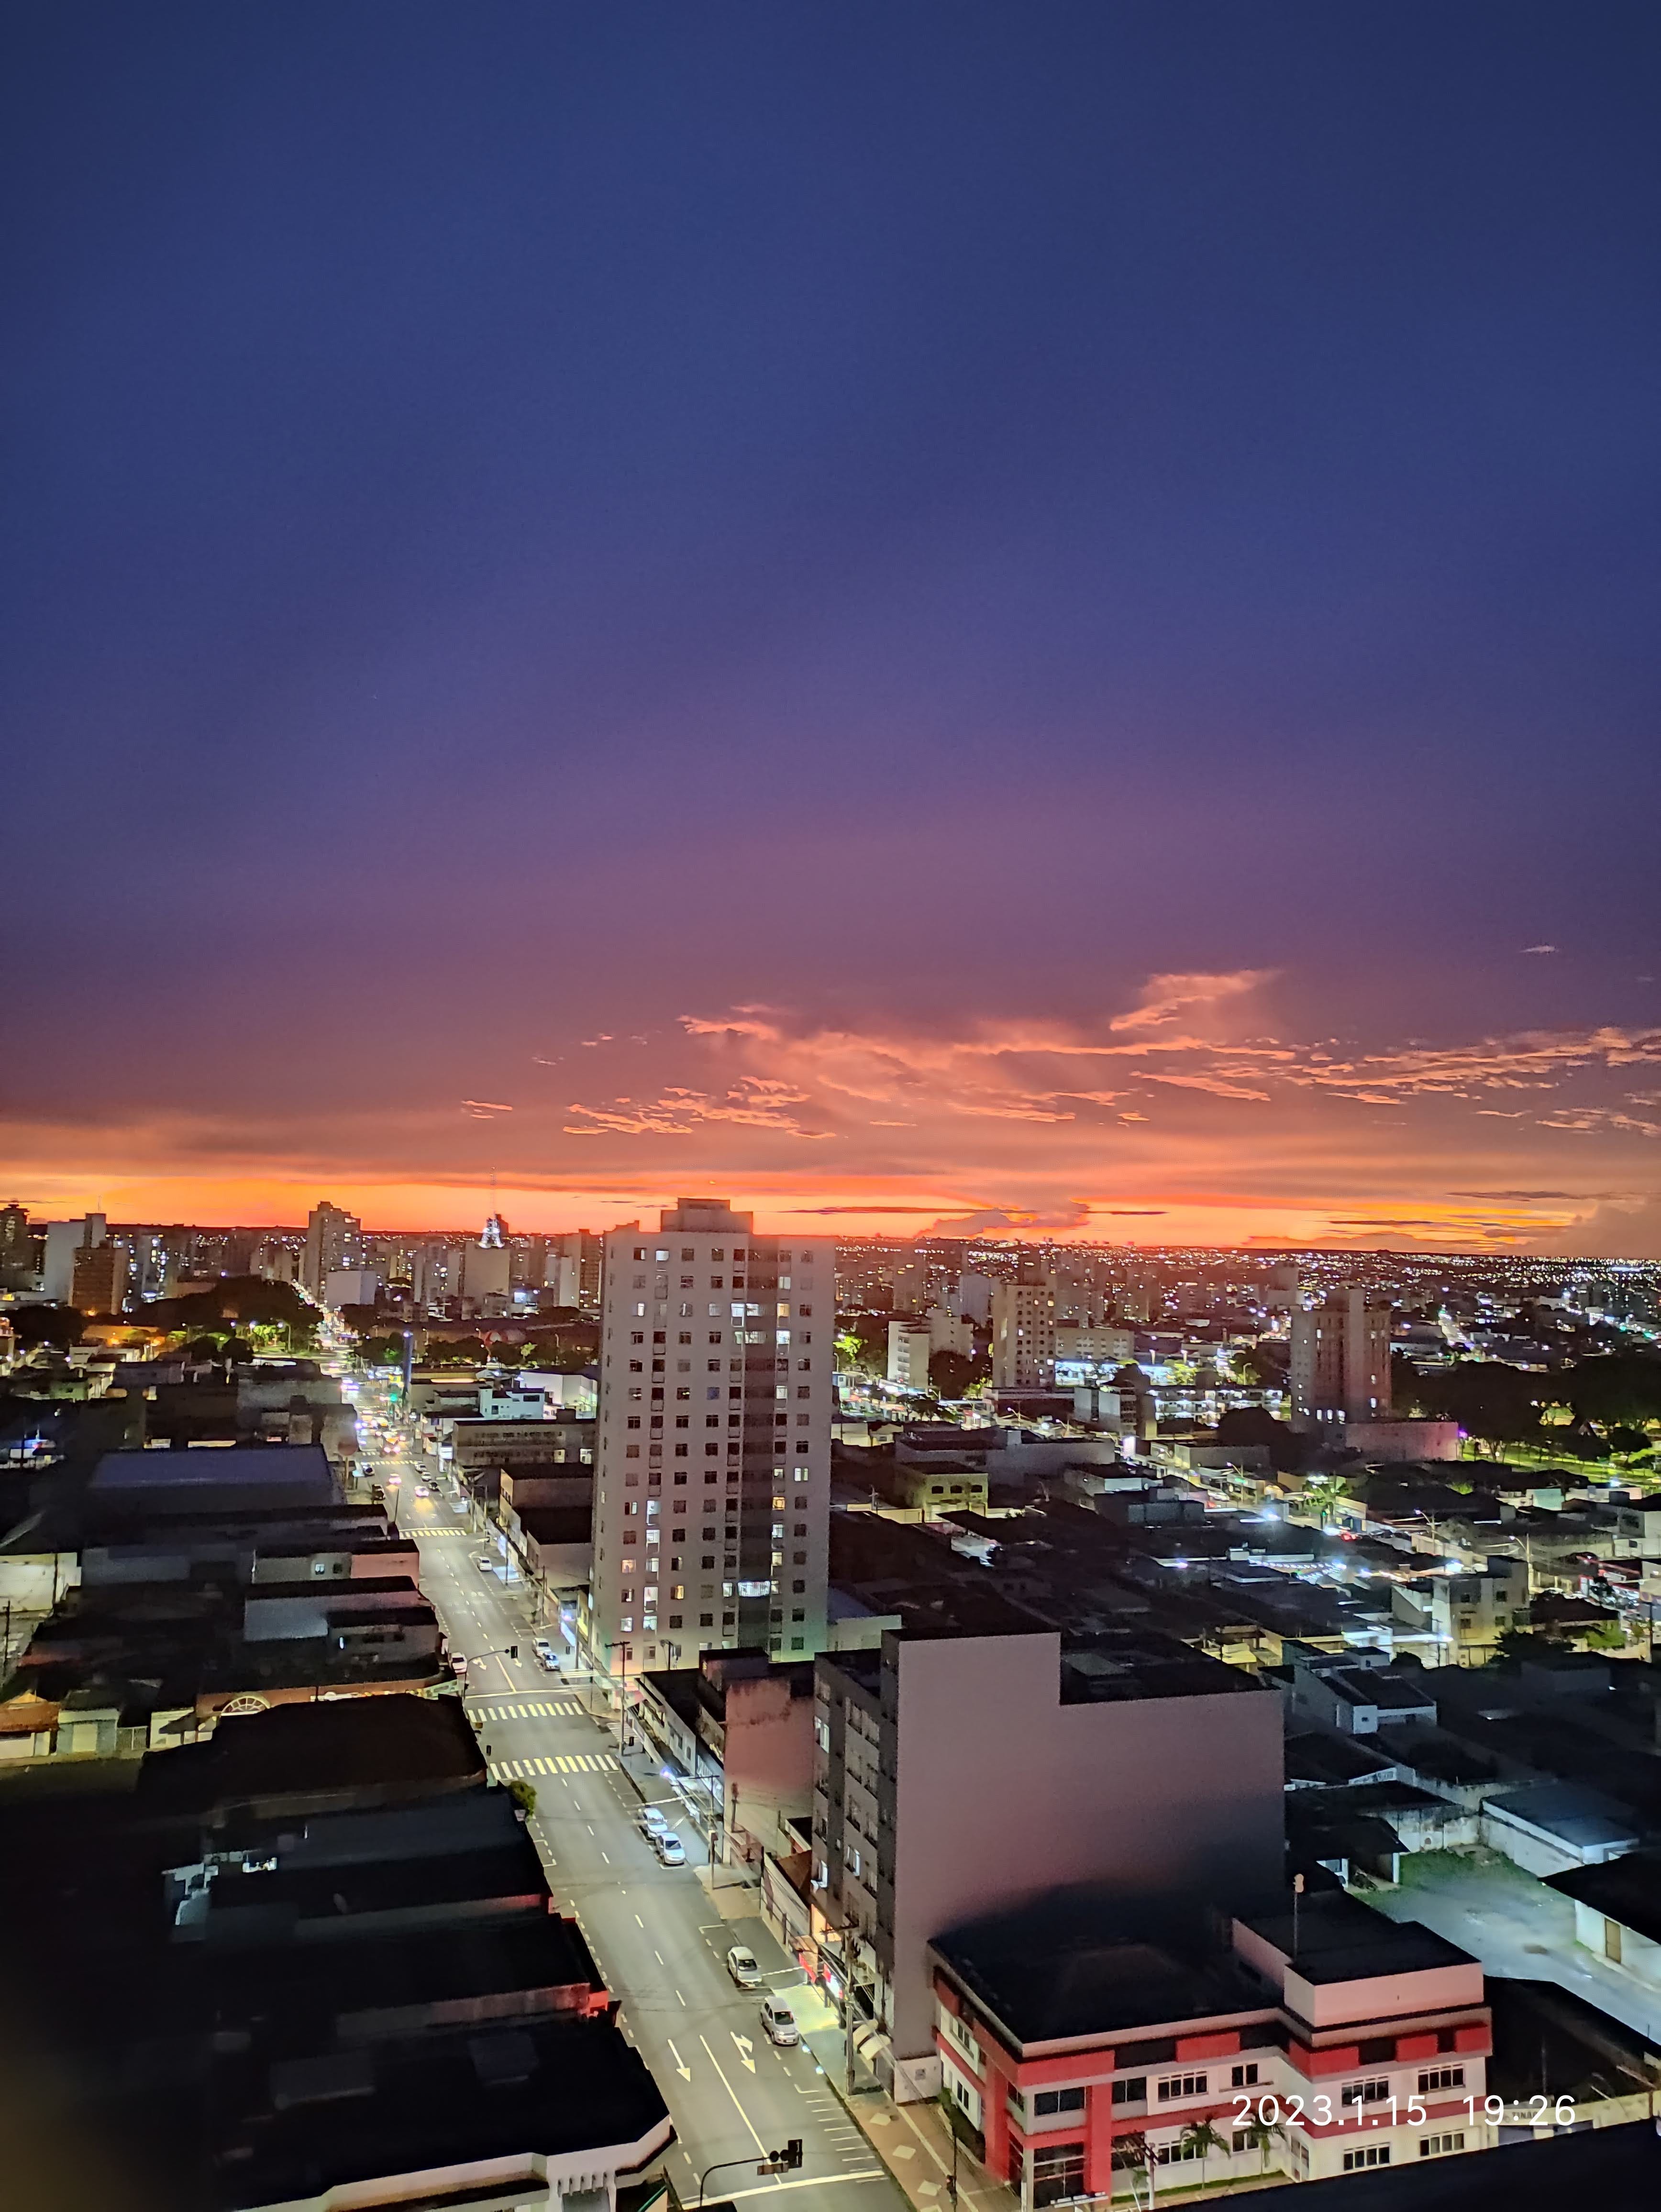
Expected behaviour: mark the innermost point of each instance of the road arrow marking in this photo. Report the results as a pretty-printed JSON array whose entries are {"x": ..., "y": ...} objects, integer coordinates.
[
  {"x": 745, "y": 2048},
  {"x": 681, "y": 2066}
]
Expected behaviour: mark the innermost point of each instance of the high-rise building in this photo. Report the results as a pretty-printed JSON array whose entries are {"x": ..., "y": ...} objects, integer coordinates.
[
  {"x": 1341, "y": 1359},
  {"x": 712, "y": 1477},
  {"x": 99, "y": 1284},
  {"x": 17, "y": 1246},
  {"x": 910, "y": 1345},
  {"x": 1023, "y": 1336},
  {"x": 487, "y": 1270},
  {"x": 959, "y": 1775},
  {"x": 333, "y": 1238},
  {"x": 572, "y": 1273},
  {"x": 64, "y": 1240}
]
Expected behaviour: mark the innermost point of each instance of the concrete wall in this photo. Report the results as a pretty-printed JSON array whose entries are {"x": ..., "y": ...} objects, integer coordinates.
[
  {"x": 1638, "y": 1954},
  {"x": 769, "y": 1757},
  {"x": 1002, "y": 1792}
]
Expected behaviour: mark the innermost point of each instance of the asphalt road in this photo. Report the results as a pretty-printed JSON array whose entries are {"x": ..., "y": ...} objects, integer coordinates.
[{"x": 653, "y": 1929}]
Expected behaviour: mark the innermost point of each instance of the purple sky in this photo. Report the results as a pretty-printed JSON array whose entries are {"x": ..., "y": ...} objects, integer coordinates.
[{"x": 533, "y": 524}]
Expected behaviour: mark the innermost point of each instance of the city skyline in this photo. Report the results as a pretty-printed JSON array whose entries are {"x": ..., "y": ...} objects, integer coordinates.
[{"x": 1049, "y": 626}]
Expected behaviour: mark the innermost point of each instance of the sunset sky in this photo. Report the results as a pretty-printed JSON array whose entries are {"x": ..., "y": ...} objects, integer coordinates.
[{"x": 1000, "y": 616}]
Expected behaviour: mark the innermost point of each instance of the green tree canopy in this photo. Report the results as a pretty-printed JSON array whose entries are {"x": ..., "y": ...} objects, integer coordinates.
[
  {"x": 33, "y": 1326},
  {"x": 950, "y": 1373}
]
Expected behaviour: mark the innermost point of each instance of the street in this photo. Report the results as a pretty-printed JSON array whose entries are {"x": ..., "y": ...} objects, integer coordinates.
[{"x": 657, "y": 1936}]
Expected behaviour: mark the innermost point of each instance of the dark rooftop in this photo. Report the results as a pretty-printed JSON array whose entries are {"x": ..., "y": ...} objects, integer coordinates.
[
  {"x": 1614, "y": 2169},
  {"x": 1624, "y": 1890},
  {"x": 364, "y": 1749},
  {"x": 1077, "y": 1964},
  {"x": 1338, "y": 1939}
]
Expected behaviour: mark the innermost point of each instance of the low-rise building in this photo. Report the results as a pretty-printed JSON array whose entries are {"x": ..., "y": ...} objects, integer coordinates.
[
  {"x": 1090, "y": 2051},
  {"x": 740, "y": 1726}
]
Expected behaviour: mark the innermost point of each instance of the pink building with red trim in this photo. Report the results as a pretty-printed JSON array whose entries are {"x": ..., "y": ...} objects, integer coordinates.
[{"x": 1080, "y": 2047}]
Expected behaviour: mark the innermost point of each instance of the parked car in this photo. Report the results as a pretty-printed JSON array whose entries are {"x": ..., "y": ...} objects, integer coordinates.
[
  {"x": 779, "y": 2021},
  {"x": 484, "y": 1563},
  {"x": 669, "y": 1847},
  {"x": 742, "y": 1966},
  {"x": 651, "y": 1823},
  {"x": 546, "y": 1655}
]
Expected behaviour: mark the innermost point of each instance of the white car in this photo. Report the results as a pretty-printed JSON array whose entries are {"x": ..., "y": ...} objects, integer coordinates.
[
  {"x": 742, "y": 1966},
  {"x": 546, "y": 1655},
  {"x": 669, "y": 1847},
  {"x": 484, "y": 1563},
  {"x": 779, "y": 2021},
  {"x": 651, "y": 1823},
  {"x": 422, "y": 1491}
]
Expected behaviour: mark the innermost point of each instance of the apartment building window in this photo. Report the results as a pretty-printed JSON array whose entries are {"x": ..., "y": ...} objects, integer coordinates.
[
  {"x": 1182, "y": 2085},
  {"x": 1440, "y": 2146},
  {"x": 1370, "y": 2155},
  {"x": 1365, "y": 2092},
  {"x": 1133, "y": 2090},
  {"x": 1241, "y": 2076},
  {"x": 1057, "y": 2100},
  {"x": 1442, "y": 2077}
]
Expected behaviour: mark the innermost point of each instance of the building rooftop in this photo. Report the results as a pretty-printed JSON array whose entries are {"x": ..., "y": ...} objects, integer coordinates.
[
  {"x": 1616, "y": 2169},
  {"x": 1078, "y": 1966},
  {"x": 1334, "y": 1938},
  {"x": 370, "y": 1750}
]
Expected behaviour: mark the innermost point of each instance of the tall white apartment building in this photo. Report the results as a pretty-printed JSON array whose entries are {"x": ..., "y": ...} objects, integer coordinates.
[
  {"x": 334, "y": 1239},
  {"x": 1023, "y": 1336},
  {"x": 712, "y": 1489}
]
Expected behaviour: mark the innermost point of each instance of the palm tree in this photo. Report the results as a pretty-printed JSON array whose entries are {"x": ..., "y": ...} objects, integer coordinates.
[
  {"x": 1199, "y": 2135},
  {"x": 1324, "y": 1493},
  {"x": 1260, "y": 2134},
  {"x": 1137, "y": 2154}
]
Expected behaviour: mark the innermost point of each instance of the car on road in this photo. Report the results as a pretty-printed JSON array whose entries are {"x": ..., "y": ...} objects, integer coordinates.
[
  {"x": 669, "y": 1847},
  {"x": 742, "y": 1966},
  {"x": 651, "y": 1823},
  {"x": 779, "y": 2021},
  {"x": 393, "y": 1481},
  {"x": 484, "y": 1563},
  {"x": 546, "y": 1655},
  {"x": 422, "y": 1491}
]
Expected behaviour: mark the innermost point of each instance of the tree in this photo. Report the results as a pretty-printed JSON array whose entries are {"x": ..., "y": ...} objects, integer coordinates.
[
  {"x": 1137, "y": 2154},
  {"x": 1199, "y": 2135},
  {"x": 950, "y": 1373},
  {"x": 1260, "y": 2134},
  {"x": 1497, "y": 1404},
  {"x": 1250, "y": 1425},
  {"x": 1324, "y": 1493},
  {"x": 524, "y": 1795},
  {"x": 57, "y": 1326},
  {"x": 1262, "y": 1366},
  {"x": 1618, "y": 1389}
]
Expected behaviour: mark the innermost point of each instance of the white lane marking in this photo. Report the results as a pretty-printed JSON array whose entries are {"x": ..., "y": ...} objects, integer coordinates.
[
  {"x": 681, "y": 2066},
  {"x": 733, "y": 2094},
  {"x": 869, "y": 2174}
]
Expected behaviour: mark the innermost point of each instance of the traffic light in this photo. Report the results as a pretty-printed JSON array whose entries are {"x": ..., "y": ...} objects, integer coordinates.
[
  {"x": 782, "y": 2161},
  {"x": 513, "y": 1650}
]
